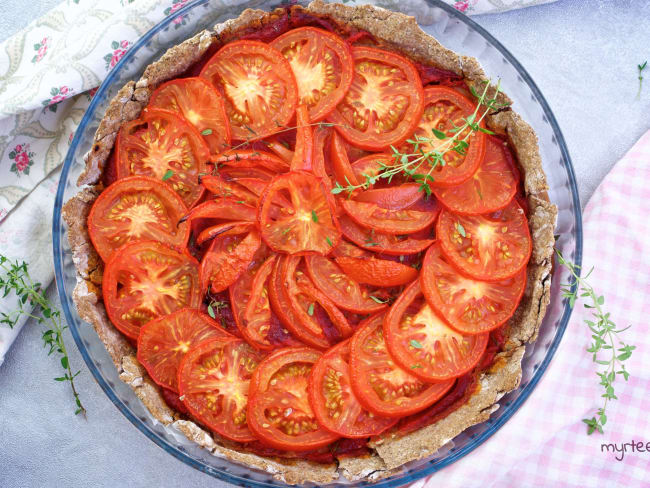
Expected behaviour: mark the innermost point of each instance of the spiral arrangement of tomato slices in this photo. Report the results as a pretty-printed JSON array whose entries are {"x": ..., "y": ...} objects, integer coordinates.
[{"x": 273, "y": 309}]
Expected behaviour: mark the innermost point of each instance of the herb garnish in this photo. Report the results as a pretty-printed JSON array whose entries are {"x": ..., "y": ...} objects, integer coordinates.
[
  {"x": 460, "y": 229},
  {"x": 17, "y": 280},
  {"x": 604, "y": 335},
  {"x": 329, "y": 241},
  {"x": 206, "y": 132},
  {"x": 641, "y": 67},
  {"x": 168, "y": 174},
  {"x": 415, "y": 344},
  {"x": 310, "y": 309},
  {"x": 314, "y": 217},
  {"x": 214, "y": 308},
  {"x": 378, "y": 300}
]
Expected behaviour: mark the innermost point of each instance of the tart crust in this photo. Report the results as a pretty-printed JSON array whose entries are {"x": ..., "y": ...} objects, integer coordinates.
[{"x": 395, "y": 31}]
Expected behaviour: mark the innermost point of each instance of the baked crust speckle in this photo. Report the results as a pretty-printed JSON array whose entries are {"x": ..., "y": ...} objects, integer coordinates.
[{"x": 397, "y": 32}]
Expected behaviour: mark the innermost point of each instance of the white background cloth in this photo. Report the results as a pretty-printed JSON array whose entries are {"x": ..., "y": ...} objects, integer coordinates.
[{"x": 583, "y": 55}]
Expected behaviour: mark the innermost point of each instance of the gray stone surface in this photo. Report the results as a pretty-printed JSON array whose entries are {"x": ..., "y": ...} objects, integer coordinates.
[{"x": 582, "y": 54}]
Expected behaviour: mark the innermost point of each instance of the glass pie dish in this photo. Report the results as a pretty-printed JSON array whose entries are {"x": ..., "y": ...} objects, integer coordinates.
[{"x": 455, "y": 31}]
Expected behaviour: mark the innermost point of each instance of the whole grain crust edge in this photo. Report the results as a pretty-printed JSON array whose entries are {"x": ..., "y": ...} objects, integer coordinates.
[{"x": 397, "y": 32}]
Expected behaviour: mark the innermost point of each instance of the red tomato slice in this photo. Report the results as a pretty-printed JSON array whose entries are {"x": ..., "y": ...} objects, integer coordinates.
[
  {"x": 279, "y": 413},
  {"x": 490, "y": 247},
  {"x": 334, "y": 403},
  {"x": 258, "y": 161},
  {"x": 228, "y": 228},
  {"x": 322, "y": 64},
  {"x": 377, "y": 272},
  {"x": 161, "y": 144},
  {"x": 393, "y": 198},
  {"x": 492, "y": 187},
  {"x": 371, "y": 165},
  {"x": 214, "y": 379},
  {"x": 384, "y": 103},
  {"x": 163, "y": 342},
  {"x": 469, "y": 306},
  {"x": 321, "y": 160},
  {"x": 342, "y": 168},
  {"x": 302, "y": 155},
  {"x": 380, "y": 385},
  {"x": 251, "y": 306},
  {"x": 380, "y": 242},
  {"x": 226, "y": 259},
  {"x": 200, "y": 104},
  {"x": 222, "y": 209},
  {"x": 420, "y": 341},
  {"x": 444, "y": 109},
  {"x": 222, "y": 187},
  {"x": 259, "y": 88},
  {"x": 345, "y": 292},
  {"x": 144, "y": 280},
  {"x": 137, "y": 208},
  {"x": 280, "y": 150},
  {"x": 308, "y": 225},
  {"x": 374, "y": 217}
]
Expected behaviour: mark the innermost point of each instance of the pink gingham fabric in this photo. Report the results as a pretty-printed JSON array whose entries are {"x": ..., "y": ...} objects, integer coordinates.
[{"x": 545, "y": 442}]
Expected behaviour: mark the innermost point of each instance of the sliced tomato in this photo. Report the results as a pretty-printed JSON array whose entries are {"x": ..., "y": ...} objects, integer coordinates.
[
  {"x": 222, "y": 209},
  {"x": 380, "y": 219},
  {"x": 259, "y": 88},
  {"x": 341, "y": 164},
  {"x": 384, "y": 103},
  {"x": 228, "y": 228},
  {"x": 444, "y": 111},
  {"x": 377, "y": 272},
  {"x": 322, "y": 64},
  {"x": 136, "y": 208},
  {"x": 492, "y": 187},
  {"x": 227, "y": 258},
  {"x": 214, "y": 382},
  {"x": 469, "y": 306},
  {"x": 491, "y": 247},
  {"x": 321, "y": 160},
  {"x": 421, "y": 341},
  {"x": 144, "y": 280},
  {"x": 380, "y": 385},
  {"x": 347, "y": 249},
  {"x": 163, "y": 342},
  {"x": 308, "y": 225},
  {"x": 161, "y": 144},
  {"x": 302, "y": 155},
  {"x": 279, "y": 413},
  {"x": 344, "y": 291},
  {"x": 334, "y": 403},
  {"x": 397, "y": 197},
  {"x": 200, "y": 104},
  {"x": 220, "y": 186},
  {"x": 381, "y": 242},
  {"x": 249, "y": 296},
  {"x": 261, "y": 162},
  {"x": 281, "y": 150},
  {"x": 371, "y": 165}
]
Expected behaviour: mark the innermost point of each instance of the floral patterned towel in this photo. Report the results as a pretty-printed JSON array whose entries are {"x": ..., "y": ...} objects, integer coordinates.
[{"x": 49, "y": 72}]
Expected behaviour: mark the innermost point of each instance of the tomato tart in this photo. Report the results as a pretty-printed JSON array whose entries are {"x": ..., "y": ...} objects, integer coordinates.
[{"x": 310, "y": 243}]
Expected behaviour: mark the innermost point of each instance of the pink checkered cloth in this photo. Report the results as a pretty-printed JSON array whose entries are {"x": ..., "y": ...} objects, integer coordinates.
[{"x": 545, "y": 442}]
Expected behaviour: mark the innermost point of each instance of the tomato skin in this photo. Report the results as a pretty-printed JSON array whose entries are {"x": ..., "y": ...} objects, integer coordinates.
[
  {"x": 378, "y": 272},
  {"x": 342, "y": 415},
  {"x": 374, "y": 372},
  {"x": 146, "y": 146},
  {"x": 302, "y": 155},
  {"x": 228, "y": 228},
  {"x": 492, "y": 187},
  {"x": 309, "y": 225},
  {"x": 239, "y": 65},
  {"x": 219, "y": 365},
  {"x": 342, "y": 169},
  {"x": 137, "y": 266},
  {"x": 290, "y": 368},
  {"x": 222, "y": 209},
  {"x": 374, "y": 217},
  {"x": 315, "y": 44},
  {"x": 108, "y": 214},
  {"x": 456, "y": 298},
  {"x": 163, "y": 342},
  {"x": 198, "y": 102},
  {"x": 458, "y": 168},
  {"x": 422, "y": 349},
  {"x": 370, "y": 64},
  {"x": 495, "y": 247},
  {"x": 394, "y": 197},
  {"x": 252, "y": 159}
]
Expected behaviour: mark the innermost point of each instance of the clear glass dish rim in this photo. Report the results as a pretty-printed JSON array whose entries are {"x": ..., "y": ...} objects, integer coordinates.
[{"x": 399, "y": 479}]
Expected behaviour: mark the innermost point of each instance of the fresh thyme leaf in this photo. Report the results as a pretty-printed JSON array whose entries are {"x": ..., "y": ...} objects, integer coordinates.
[
  {"x": 211, "y": 311},
  {"x": 310, "y": 309},
  {"x": 641, "y": 67},
  {"x": 461, "y": 229},
  {"x": 15, "y": 278},
  {"x": 206, "y": 132},
  {"x": 605, "y": 335},
  {"x": 439, "y": 134},
  {"x": 378, "y": 300},
  {"x": 415, "y": 344},
  {"x": 314, "y": 217},
  {"x": 329, "y": 241},
  {"x": 168, "y": 174},
  {"x": 416, "y": 366},
  {"x": 250, "y": 129},
  {"x": 285, "y": 231}
]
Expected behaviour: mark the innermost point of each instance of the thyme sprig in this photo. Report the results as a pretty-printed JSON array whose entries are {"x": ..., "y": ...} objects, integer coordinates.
[
  {"x": 641, "y": 67},
  {"x": 33, "y": 303},
  {"x": 606, "y": 339},
  {"x": 429, "y": 152}
]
